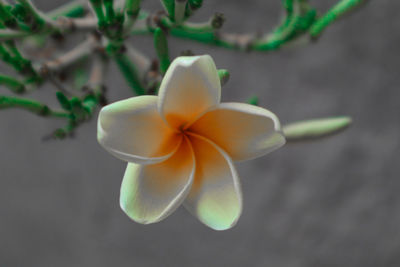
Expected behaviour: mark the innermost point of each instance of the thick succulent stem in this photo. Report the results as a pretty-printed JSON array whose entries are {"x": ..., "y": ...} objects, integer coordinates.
[{"x": 30, "y": 105}]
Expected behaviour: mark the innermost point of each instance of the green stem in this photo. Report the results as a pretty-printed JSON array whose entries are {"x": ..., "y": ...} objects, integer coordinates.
[
  {"x": 13, "y": 49},
  {"x": 333, "y": 14},
  {"x": 20, "y": 64},
  {"x": 128, "y": 70},
  {"x": 161, "y": 46},
  {"x": 30, "y": 105},
  {"x": 110, "y": 15},
  {"x": 132, "y": 8},
  {"x": 299, "y": 18},
  {"x": 169, "y": 6},
  {"x": 73, "y": 9},
  {"x": 36, "y": 20},
  {"x": 179, "y": 11},
  {"x": 12, "y": 83},
  {"x": 98, "y": 10},
  {"x": 6, "y": 34},
  {"x": 6, "y": 17}
]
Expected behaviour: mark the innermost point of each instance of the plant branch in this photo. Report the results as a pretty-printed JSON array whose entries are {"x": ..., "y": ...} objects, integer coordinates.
[
  {"x": 141, "y": 61},
  {"x": 132, "y": 8},
  {"x": 7, "y": 34},
  {"x": 30, "y": 105},
  {"x": 81, "y": 51},
  {"x": 36, "y": 19},
  {"x": 161, "y": 46},
  {"x": 72, "y": 9},
  {"x": 13, "y": 84},
  {"x": 129, "y": 71},
  {"x": 343, "y": 7},
  {"x": 300, "y": 20}
]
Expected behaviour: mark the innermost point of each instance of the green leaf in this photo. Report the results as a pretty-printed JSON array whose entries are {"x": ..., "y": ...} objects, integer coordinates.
[{"x": 311, "y": 129}]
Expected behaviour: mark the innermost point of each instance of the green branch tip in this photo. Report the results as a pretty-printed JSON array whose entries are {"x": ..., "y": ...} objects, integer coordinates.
[
  {"x": 317, "y": 128},
  {"x": 253, "y": 100},
  {"x": 63, "y": 100},
  {"x": 223, "y": 76},
  {"x": 337, "y": 11}
]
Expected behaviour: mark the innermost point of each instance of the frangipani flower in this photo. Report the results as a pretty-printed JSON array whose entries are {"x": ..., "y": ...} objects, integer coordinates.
[{"x": 180, "y": 146}]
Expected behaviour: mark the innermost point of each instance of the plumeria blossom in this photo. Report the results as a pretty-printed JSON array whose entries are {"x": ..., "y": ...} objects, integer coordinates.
[{"x": 180, "y": 146}]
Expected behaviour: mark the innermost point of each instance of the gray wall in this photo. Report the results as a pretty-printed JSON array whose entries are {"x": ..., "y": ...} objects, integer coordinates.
[{"x": 333, "y": 202}]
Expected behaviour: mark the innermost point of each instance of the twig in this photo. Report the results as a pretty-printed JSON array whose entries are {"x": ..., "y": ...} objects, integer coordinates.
[
  {"x": 13, "y": 84},
  {"x": 161, "y": 46},
  {"x": 71, "y": 24},
  {"x": 129, "y": 71},
  {"x": 76, "y": 54},
  {"x": 6, "y": 34},
  {"x": 300, "y": 19},
  {"x": 179, "y": 11},
  {"x": 97, "y": 74},
  {"x": 333, "y": 14},
  {"x": 59, "y": 85},
  {"x": 140, "y": 60},
  {"x": 75, "y": 8},
  {"x": 30, "y": 105},
  {"x": 37, "y": 20},
  {"x": 132, "y": 8}
]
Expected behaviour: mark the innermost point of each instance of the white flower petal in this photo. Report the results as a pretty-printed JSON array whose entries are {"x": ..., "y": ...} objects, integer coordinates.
[
  {"x": 190, "y": 87},
  {"x": 215, "y": 197},
  {"x": 244, "y": 131},
  {"x": 133, "y": 130},
  {"x": 149, "y": 193}
]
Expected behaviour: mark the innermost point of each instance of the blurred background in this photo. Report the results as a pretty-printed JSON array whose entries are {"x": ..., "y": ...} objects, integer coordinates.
[{"x": 331, "y": 202}]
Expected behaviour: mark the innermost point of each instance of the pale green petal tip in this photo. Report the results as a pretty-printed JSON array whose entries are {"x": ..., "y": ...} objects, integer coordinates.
[
  {"x": 217, "y": 218},
  {"x": 132, "y": 213},
  {"x": 316, "y": 128}
]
